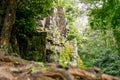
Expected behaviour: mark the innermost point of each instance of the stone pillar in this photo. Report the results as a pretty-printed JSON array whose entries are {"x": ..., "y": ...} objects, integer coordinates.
[{"x": 56, "y": 28}]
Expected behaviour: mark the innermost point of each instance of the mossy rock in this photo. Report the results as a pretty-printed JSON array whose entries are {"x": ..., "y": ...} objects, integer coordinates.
[{"x": 33, "y": 47}]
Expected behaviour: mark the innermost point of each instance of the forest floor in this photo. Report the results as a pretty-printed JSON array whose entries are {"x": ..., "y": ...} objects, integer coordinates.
[{"x": 15, "y": 68}]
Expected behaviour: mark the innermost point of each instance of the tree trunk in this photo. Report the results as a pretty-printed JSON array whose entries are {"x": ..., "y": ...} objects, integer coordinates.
[{"x": 7, "y": 20}]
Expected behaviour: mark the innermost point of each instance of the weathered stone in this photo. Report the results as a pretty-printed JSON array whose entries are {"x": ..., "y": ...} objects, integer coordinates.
[
  {"x": 56, "y": 27},
  {"x": 74, "y": 52}
]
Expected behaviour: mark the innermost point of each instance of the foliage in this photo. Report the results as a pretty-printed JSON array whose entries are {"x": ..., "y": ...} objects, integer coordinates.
[
  {"x": 28, "y": 12},
  {"x": 37, "y": 8},
  {"x": 90, "y": 1},
  {"x": 109, "y": 63},
  {"x": 102, "y": 51},
  {"x": 98, "y": 49},
  {"x": 107, "y": 17},
  {"x": 72, "y": 33}
]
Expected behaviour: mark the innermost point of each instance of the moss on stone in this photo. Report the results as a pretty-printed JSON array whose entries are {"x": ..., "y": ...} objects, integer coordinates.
[
  {"x": 66, "y": 57},
  {"x": 33, "y": 47},
  {"x": 80, "y": 63},
  {"x": 65, "y": 54}
]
